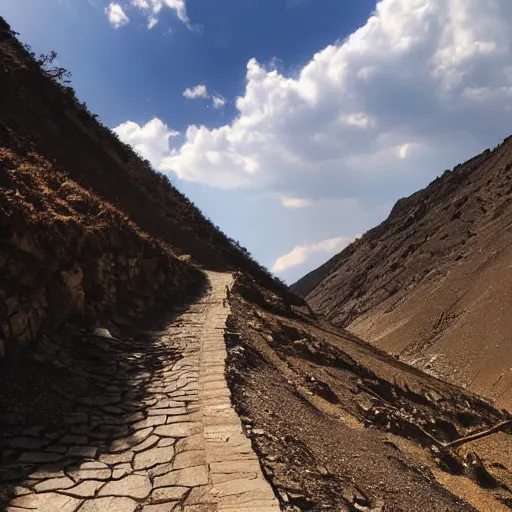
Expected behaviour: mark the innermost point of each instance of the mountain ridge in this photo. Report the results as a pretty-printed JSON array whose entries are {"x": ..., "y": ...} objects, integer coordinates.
[{"x": 396, "y": 285}]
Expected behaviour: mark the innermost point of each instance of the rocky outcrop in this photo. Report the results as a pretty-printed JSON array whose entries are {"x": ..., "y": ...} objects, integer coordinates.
[{"x": 65, "y": 254}]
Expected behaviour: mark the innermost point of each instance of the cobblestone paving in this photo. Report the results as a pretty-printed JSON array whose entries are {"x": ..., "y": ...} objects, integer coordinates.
[{"x": 158, "y": 434}]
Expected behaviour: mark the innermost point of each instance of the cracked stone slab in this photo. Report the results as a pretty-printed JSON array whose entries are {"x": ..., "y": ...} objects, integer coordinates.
[
  {"x": 86, "y": 489},
  {"x": 187, "y": 477},
  {"x": 184, "y": 429},
  {"x": 152, "y": 457},
  {"x": 131, "y": 486},
  {"x": 109, "y": 505},
  {"x": 163, "y": 507},
  {"x": 90, "y": 471},
  {"x": 166, "y": 494},
  {"x": 54, "y": 484},
  {"x": 47, "y": 502}
]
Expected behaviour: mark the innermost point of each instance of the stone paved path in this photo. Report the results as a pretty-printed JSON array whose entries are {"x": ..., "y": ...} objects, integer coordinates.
[{"x": 158, "y": 435}]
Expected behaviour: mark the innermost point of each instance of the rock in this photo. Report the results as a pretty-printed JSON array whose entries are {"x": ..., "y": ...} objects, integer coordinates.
[
  {"x": 189, "y": 477},
  {"x": 101, "y": 332},
  {"x": 170, "y": 506},
  {"x": 165, "y": 494},
  {"x": 131, "y": 486},
  {"x": 85, "y": 489},
  {"x": 54, "y": 484},
  {"x": 323, "y": 470},
  {"x": 479, "y": 472},
  {"x": 49, "y": 502},
  {"x": 40, "y": 457},
  {"x": 150, "y": 458},
  {"x": 90, "y": 471},
  {"x": 433, "y": 396},
  {"x": 2, "y": 348},
  {"x": 110, "y": 505},
  {"x": 83, "y": 451},
  {"x": 122, "y": 470},
  {"x": 189, "y": 459},
  {"x": 73, "y": 282},
  {"x": 178, "y": 430}
]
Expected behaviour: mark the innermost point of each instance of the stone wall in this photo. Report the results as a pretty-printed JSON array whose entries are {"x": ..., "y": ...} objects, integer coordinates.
[{"x": 67, "y": 256}]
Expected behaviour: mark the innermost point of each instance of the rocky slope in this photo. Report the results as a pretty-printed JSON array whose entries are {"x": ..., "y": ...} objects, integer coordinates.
[
  {"x": 65, "y": 254},
  {"x": 86, "y": 226},
  {"x": 342, "y": 426},
  {"x": 432, "y": 282}
]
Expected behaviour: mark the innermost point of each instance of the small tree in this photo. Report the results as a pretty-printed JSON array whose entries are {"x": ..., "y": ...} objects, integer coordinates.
[{"x": 57, "y": 73}]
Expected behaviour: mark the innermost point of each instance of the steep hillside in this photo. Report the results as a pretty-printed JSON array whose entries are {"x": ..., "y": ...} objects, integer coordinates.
[
  {"x": 340, "y": 425},
  {"x": 39, "y": 115},
  {"x": 432, "y": 282},
  {"x": 80, "y": 210},
  {"x": 67, "y": 255}
]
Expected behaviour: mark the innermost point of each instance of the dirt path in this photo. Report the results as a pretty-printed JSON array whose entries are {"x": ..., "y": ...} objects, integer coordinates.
[{"x": 158, "y": 434}]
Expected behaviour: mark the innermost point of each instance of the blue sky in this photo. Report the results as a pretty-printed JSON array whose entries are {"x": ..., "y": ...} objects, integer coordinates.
[{"x": 326, "y": 111}]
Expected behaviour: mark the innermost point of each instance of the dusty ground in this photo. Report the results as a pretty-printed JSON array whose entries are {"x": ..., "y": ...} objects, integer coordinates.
[
  {"x": 342, "y": 426},
  {"x": 432, "y": 282}
]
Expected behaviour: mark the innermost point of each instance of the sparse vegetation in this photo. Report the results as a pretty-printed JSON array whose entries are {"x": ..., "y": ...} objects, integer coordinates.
[{"x": 48, "y": 63}]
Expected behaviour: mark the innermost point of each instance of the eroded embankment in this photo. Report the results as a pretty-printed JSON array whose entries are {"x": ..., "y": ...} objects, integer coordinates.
[{"x": 341, "y": 425}]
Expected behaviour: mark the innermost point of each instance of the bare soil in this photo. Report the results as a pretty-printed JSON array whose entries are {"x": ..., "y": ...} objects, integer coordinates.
[
  {"x": 341, "y": 425},
  {"x": 432, "y": 282}
]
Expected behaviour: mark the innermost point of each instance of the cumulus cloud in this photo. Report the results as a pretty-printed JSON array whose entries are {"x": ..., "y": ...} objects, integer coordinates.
[
  {"x": 301, "y": 253},
  {"x": 199, "y": 91},
  {"x": 295, "y": 202},
  {"x": 421, "y": 86},
  {"x": 153, "y": 8},
  {"x": 421, "y": 80},
  {"x": 403, "y": 151},
  {"x": 218, "y": 101},
  {"x": 116, "y": 15},
  {"x": 151, "y": 140}
]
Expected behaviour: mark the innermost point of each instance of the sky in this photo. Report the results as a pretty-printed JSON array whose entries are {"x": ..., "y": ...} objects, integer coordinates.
[{"x": 295, "y": 125}]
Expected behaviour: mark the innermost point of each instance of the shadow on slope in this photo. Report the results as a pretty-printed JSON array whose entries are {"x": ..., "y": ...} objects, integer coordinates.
[{"x": 76, "y": 408}]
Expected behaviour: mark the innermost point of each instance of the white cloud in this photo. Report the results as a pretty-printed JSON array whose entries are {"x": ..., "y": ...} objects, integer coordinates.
[
  {"x": 358, "y": 120},
  {"x": 295, "y": 202},
  {"x": 423, "y": 85},
  {"x": 218, "y": 101},
  {"x": 152, "y": 22},
  {"x": 404, "y": 150},
  {"x": 153, "y": 8},
  {"x": 151, "y": 141},
  {"x": 116, "y": 15},
  {"x": 199, "y": 91},
  {"x": 422, "y": 82},
  {"x": 301, "y": 253}
]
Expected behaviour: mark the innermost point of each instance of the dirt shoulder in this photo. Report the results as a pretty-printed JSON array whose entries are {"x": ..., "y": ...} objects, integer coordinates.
[{"x": 340, "y": 425}]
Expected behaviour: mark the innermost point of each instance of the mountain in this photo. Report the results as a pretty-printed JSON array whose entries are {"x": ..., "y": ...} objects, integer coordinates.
[
  {"x": 432, "y": 282},
  {"x": 69, "y": 184},
  {"x": 125, "y": 314}
]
